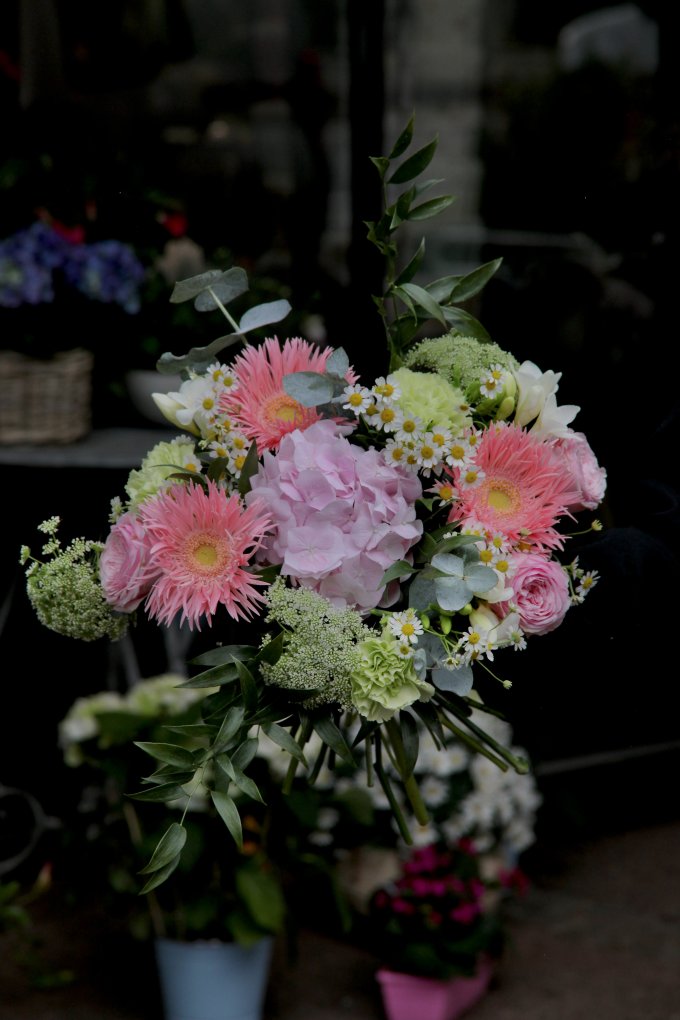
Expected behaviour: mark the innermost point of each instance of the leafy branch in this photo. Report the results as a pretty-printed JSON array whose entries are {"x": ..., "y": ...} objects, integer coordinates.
[{"x": 404, "y": 306}]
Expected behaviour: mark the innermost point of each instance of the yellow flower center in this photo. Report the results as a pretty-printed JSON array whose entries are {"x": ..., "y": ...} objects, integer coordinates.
[
  {"x": 503, "y": 495},
  {"x": 446, "y": 492},
  {"x": 284, "y": 409},
  {"x": 387, "y": 415},
  {"x": 486, "y": 555},
  {"x": 208, "y": 554},
  {"x": 407, "y": 629},
  {"x": 355, "y": 400}
]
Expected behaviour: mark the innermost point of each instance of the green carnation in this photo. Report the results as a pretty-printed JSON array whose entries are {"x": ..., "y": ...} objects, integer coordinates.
[
  {"x": 461, "y": 360},
  {"x": 432, "y": 399},
  {"x": 160, "y": 462},
  {"x": 384, "y": 681}
]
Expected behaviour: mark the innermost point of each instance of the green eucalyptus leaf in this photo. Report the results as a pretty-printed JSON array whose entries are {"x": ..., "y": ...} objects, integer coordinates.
[
  {"x": 215, "y": 677},
  {"x": 198, "y": 358},
  {"x": 264, "y": 315},
  {"x": 338, "y": 364},
  {"x": 452, "y": 593},
  {"x": 244, "y": 754},
  {"x": 171, "y": 754},
  {"x": 421, "y": 297},
  {"x": 271, "y": 652},
  {"x": 245, "y": 784},
  {"x": 415, "y": 164},
  {"x": 422, "y": 594},
  {"x": 426, "y": 210},
  {"x": 457, "y": 681},
  {"x": 169, "y": 847},
  {"x": 448, "y": 563},
  {"x": 308, "y": 388},
  {"x": 480, "y": 578},
  {"x": 403, "y": 141},
  {"x": 230, "y": 285},
  {"x": 187, "y": 290},
  {"x": 228, "y": 812}
]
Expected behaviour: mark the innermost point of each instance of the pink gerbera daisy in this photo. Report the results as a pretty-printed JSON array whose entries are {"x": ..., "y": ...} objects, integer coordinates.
[
  {"x": 260, "y": 407},
  {"x": 199, "y": 542},
  {"x": 524, "y": 488}
]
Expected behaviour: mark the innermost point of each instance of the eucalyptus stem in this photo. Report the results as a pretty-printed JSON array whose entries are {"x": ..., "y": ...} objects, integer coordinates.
[
  {"x": 407, "y": 777},
  {"x": 520, "y": 765},
  {"x": 226, "y": 314}
]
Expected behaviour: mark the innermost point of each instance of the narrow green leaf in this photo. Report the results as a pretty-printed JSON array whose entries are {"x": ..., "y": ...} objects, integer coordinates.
[
  {"x": 231, "y": 724},
  {"x": 223, "y": 654},
  {"x": 214, "y": 677},
  {"x": 271, "y": 652},
  {"x": 246, "y": 784},
  {"x": 244, "y": 754},
  {"x": 228, "y": 812},
  {"x": 421, "y": 297},
  {"x": 465, "y": 323},
  {"x": 471, "y": 284},
  {"x": 248, "y": 687},
  {"x": 409, "y": 739},
  {"x": 381, "y": 163},
  {"x": 250, "y": 466},
  {"x": 409, "y": 271},
  {"x": 415, "y": 164},
  {"x": 264, "y": 315},
  {"x": 169, "y": 847},
  {"x": 283, "y": 738},
  {"x": 426, "y": 210},
  {"x": 331, "y": 735},
  {"x": 159, "y": 877},
  {"x": 396, "y": 571},
  {"x": 404, "y": 140},
  {"x": 164, "y": 792},
  {"x": 169, "y": 753}
]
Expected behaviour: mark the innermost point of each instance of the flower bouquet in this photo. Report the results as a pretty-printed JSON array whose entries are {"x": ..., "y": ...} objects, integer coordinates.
[{"x": 364, "y": 550}]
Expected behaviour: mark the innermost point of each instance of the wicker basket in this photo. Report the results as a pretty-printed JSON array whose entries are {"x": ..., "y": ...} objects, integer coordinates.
[{"x": 45, "y": 401}]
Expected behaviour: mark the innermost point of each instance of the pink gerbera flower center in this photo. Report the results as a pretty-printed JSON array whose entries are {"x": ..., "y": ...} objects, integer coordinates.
[
  {"x": 283, "y": 409},
  {"x": 207, "y": 553},
  {"x": 502, "y": 494}
]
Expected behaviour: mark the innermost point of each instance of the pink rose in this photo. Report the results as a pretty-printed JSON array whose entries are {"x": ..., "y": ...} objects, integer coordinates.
[
  {"x": 541, "y": 593},
  {"x": 588, "y": 478},
  {"x": 124, "y": 564}
]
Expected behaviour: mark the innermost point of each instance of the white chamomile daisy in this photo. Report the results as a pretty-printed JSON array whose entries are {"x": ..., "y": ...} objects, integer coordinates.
[
  {"x": 405, "y": 625},
  {"x": 356, "y": 398}
]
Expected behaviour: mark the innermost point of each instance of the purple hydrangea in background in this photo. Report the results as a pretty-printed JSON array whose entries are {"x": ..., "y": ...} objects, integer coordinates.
[{"x": 31, "y": 259}]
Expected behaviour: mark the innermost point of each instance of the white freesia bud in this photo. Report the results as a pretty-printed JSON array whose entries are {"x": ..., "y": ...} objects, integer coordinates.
[
  {"x": 534, "y": 388},
  {"x": 169, "y": 408}
]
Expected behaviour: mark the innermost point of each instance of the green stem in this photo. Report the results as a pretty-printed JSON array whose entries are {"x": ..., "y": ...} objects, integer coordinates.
[
  {"x": 407, "y": 777},
  {"x": 135, "y": 830},
  {"x": 389, "y": 793},
  {"x": 520, "y": 765},
  {"x": 227, "y": 316},
  {"x": 302, "y": 737}
]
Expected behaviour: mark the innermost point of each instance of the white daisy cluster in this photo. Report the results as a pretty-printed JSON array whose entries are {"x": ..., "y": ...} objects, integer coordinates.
[
  {"x": 412, "y": 440},
  {"x": 196, "y": 407},
  {"x": 581, "y": 581}
]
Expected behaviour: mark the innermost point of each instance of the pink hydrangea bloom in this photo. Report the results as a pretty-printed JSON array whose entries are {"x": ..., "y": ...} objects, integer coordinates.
[
  {"x": 586, "y": 476},
  {"x": 125, "y": 572},
  {"x": 541, "y": 593},
  {"x": 341, "y": 515}
]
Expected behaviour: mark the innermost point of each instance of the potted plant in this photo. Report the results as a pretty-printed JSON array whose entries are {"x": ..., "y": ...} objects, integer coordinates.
[
  {"x": 440, "y": 931},
  {"x": 225, "y": 897}
]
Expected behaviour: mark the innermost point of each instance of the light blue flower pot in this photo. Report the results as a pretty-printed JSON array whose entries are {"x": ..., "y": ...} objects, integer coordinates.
[{"x": 213, "y": 980}]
